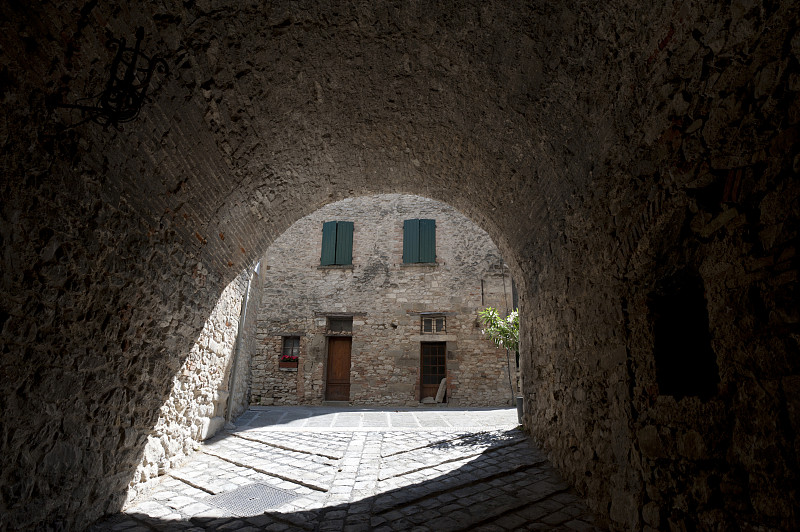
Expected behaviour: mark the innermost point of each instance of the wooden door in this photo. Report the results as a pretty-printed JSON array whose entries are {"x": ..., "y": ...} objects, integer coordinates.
[
  {"x": 338, "y": 382},
  {"x": 432, "y": 368}
]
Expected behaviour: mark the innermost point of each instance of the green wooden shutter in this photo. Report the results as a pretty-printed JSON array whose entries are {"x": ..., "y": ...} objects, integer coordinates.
[
  {"x": 344, "y": 243},
  {"x": 427, "y": 241},
  {"x": 328, "y": 244},
  {"x": 410, "y": 241}
]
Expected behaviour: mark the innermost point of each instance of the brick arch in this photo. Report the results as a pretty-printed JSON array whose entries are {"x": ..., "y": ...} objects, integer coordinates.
[
  {"x": 554, "y": 127},
  {"x": 408, "y": 113}
]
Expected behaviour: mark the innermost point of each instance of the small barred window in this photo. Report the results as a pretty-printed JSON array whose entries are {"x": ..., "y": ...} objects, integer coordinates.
[{"x": 433, "y": 325}]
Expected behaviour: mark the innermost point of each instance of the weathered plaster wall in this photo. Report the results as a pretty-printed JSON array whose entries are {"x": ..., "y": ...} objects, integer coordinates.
[
  {"x": 600, "y": 144},
  {"x": 385, "y": 298}
]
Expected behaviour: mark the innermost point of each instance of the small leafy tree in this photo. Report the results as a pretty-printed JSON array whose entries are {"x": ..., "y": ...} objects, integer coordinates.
[{"x": 504, "y": 332}]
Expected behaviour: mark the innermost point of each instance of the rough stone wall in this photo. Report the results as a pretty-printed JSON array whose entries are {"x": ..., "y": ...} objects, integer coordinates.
[
  {"x": 582, "y": 136},
  {"x": 240, "y": 382},
  {"x": 197, "y": 406},
  {"x": 712, "y": 191},
  {"x": 385, "y": 298}
]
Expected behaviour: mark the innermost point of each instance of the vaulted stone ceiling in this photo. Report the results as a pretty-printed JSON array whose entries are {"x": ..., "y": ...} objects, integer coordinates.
[
  {"x": 603, "y": 145},
  {"x": 276, "y": 109}
]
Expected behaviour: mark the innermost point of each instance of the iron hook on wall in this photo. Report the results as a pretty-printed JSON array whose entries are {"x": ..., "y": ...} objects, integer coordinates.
[{"x": 126, "y": 90}]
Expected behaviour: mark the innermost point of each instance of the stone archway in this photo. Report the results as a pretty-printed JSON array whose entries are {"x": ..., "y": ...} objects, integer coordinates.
[{"x": 570, "y": 133}]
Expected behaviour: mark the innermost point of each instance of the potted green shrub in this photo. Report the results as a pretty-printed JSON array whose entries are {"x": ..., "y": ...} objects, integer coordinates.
[{"x": 504, "y": 332}]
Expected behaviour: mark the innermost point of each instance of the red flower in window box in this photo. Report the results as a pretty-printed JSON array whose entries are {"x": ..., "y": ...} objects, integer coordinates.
[{"x": 288, "y": 361}]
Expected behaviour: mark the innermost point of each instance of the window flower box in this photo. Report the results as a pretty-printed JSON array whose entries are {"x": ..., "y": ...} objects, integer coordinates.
[{"x": 288, "y": 362}]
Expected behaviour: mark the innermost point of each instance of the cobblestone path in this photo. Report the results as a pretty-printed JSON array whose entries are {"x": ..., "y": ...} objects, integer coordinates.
[{"x": 320, "y": 469}]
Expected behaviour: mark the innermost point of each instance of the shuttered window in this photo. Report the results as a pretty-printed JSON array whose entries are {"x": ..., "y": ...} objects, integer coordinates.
[
  {"x": 419, "y": 241},
  {"x": 337, "y": 243}
]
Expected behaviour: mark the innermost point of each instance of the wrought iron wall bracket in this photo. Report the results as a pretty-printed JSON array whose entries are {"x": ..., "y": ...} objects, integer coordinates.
[{"x": 126, "y": 89}]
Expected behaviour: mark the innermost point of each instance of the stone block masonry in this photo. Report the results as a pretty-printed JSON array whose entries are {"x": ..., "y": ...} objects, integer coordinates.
[
  {"x": 387, "y": 301},
  {"x": 210, "y": 387}
]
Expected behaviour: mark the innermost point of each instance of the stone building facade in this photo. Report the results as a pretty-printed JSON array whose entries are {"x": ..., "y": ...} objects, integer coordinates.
[{"x": 403, "y": 325}]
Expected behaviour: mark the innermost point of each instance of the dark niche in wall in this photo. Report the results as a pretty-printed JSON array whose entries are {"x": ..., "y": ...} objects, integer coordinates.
[{"x": 685, "y": 362}]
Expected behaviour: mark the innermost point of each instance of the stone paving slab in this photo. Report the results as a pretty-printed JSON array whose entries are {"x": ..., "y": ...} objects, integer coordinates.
[
  {"x": 401, "y": 442},
  {"x": 322, "y": 418},
  {"x": 329, "y": 444},
  {"x": 364, "y": 469},
  {"x": 441, "y": 453}
]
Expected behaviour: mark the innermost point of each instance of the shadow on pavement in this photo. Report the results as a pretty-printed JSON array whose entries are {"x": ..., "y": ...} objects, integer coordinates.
[{"x": 508, "y": 485}]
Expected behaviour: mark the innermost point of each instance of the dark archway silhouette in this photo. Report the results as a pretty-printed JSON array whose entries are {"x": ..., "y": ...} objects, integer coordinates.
[{"x": 602, "y": 146}]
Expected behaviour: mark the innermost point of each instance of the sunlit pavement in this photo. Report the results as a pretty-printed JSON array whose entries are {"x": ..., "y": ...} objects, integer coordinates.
[{"x": 324, "y": 468}]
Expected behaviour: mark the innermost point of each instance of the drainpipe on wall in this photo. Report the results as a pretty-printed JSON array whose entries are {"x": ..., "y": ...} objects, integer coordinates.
[{"x": 237, "y": 352}]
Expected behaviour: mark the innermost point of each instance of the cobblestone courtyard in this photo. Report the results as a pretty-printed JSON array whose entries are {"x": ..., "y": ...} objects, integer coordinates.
[{"x": 319, "y": 468}]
